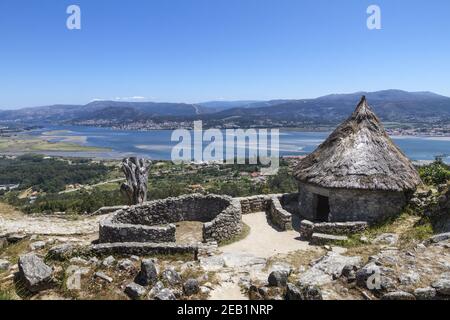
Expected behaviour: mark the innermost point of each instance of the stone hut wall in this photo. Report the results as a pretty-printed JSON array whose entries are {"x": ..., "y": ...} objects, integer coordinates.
[
  {"x": 273, "y": 206},
  {"x": 153, "y": 221},
  {"x": 351, "y": 205},
  {"x": 278, "y": 216}
]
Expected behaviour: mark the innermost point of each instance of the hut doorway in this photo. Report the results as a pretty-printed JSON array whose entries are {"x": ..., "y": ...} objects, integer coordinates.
[{"x": 322, "y": 208}]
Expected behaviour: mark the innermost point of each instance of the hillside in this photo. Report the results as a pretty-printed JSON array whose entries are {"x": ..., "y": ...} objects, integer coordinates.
[{"x": 390, "y": 105}]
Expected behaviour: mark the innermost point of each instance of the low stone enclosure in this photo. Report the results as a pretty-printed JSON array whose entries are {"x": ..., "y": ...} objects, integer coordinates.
[
  {"x": 151, "y": 227},
  {"x": 154, "y": 221}
]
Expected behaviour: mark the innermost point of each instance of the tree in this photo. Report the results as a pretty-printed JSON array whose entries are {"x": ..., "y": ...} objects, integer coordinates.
[{"x": 136, "y": 172}]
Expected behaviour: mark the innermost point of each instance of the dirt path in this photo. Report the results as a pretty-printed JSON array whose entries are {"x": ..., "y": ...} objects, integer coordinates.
[
  {"x": 248, "y": 257},
  {"x": 264, "y": 241},
  {"x": 13, "y": 221}
]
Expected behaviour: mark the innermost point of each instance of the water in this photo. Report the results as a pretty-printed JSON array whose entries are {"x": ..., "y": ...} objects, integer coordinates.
[{"x": 157, "y": 144}]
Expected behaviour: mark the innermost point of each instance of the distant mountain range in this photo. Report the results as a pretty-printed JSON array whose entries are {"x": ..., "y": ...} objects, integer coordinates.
[{"x": 389, "y": 105}]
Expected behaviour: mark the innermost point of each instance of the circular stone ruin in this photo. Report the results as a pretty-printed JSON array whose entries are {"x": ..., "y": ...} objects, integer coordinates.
[{"x": 154, "y": 221}]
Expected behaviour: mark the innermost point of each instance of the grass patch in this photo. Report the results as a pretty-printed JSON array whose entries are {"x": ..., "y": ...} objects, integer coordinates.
[
  {"x": 7, "y": 294},
  {"x": 241, "y": 236}
]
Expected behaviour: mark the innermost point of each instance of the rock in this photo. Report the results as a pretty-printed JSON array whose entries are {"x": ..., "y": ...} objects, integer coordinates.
[
  {"x": 349, "y": 271},
  {"x": 165, "y": 294},
  {"x": 37, "y": 245},
  {"x": 4, "y": 265},
  {"x": 135, "y": 258},
  {"x": 103, "y": 276},
  {"x": 438, "y": 238},
  {"x": 205, "y": 290},
  {"x": 409, "y": 278},
  {"x": 156, "y": 289},
  {"x": 35, "y": 274},
  {"x": 135, "y": 291},
  {"x": 442, "y": 285},
  {"x": 310, "y": 292},
  {"x": 282, "y": 266},
  {"x": 73, "y": 277},
  {"x": 126, "y": 265},
  {"x": 61, "y": 252},
  {"x": 108, "y": 262},
  {"x": 398, "y": 295},
  {"x": 79, "y": 261},
  {"x": 191, "y": 287},
  {"x": 327, "y": 268},
  {"x": 386, "y": 238},
  {"x": 319, "y": 239},
  {"x": 15, "y": 237},
  {"x": 293, "y": 292},
  {"x": 425, "y": 293},
  {"x": 254, "y": 293},
  {"x": 364, "y": 239},
  {"x": 236, "y": 260},
  {"x": 213, "y": 263},
  {"x": 369, "y": 276},
  {"x": 94, "y": 261},
  {"x": 171, "y": 277},
  {"x": 278, "y": 279},
  {"x": 148, "y": 273}
]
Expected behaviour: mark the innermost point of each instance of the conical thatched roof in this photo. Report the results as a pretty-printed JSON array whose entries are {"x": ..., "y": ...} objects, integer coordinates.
[{"x": 359, "y": 155}]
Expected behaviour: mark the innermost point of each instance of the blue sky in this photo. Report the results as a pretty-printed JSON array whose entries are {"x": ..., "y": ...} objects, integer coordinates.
[{"x": 199, "y": 50}]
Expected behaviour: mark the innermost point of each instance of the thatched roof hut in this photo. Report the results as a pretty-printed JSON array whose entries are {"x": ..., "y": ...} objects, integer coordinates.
[{"x": 358, "y": 155}]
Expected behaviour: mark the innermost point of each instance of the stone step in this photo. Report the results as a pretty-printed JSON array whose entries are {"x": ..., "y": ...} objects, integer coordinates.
[{"x": 322, "y": 239}]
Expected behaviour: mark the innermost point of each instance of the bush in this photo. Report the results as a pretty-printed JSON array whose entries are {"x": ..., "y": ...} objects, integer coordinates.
[{"x": 436, "y": 173}]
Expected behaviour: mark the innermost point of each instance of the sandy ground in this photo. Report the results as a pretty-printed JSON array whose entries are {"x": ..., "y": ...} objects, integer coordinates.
[{"x": 264, "y": 241}]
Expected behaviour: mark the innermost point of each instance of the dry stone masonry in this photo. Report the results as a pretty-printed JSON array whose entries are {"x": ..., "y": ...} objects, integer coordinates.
[{"x": 154, "y": 221}]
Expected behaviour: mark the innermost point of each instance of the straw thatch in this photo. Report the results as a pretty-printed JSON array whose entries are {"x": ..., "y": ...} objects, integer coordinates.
[{"x": 359, "y": 155}]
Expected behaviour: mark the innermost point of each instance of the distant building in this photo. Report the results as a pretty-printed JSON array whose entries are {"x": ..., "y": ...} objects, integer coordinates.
[{"x": 357, "y": 174}]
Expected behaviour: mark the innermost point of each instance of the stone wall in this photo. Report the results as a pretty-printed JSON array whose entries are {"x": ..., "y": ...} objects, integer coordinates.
[
  {"x": 308, "y": 228},
  {"x": 278, "y": 216},
  {"x": 120, "y": 232},
  {"x": 351, "y": 205},
  {"x": 273, "y": 206},
  {"x": 143, "y": 249},
  {"x": 259, "y": 203},
  {"x": 152, "y": 221}
]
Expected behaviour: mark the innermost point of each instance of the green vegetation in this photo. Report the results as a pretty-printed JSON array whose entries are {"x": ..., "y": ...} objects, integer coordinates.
[
  {"x": 49, "y": 175},
  {"x": 436, "y": 173},
  {"x": 75, "y": 202}
]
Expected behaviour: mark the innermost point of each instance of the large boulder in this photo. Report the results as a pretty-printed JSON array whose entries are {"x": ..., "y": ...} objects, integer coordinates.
[
  {"x": 36, "y": 275},
  {"x": 148, "y": 274}
]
